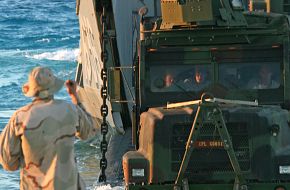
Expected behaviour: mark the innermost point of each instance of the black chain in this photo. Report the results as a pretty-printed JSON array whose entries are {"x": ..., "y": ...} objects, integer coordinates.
[{"x": 104, "y": 95}]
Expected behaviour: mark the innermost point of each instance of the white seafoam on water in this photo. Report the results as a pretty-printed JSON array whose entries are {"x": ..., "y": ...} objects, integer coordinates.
[{"x": 59, "y": 55}]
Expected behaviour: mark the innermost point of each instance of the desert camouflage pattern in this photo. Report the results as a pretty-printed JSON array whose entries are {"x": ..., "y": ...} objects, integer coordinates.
[{"x": 39, "y": 139}]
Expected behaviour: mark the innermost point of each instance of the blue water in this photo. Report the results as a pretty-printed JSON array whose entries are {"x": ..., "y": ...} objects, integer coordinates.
[{"x": 33, "y": 33}]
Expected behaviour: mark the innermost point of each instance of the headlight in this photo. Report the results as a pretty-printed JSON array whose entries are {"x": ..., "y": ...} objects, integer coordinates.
[
  {"x": 135, "y": 168},
  {"x": 138, "y": 172}
]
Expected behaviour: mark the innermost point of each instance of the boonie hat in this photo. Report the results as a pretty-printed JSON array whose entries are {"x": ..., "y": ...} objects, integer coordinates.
[{"x": 41, "y": 83}]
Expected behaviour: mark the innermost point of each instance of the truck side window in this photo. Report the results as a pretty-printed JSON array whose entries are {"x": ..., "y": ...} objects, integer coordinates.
[
  {"x": 180, "y": 78},
  {"x": 250, "y": 75}
]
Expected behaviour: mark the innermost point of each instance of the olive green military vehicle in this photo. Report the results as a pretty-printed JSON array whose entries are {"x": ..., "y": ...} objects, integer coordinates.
[{"x": 200, "y": 88}]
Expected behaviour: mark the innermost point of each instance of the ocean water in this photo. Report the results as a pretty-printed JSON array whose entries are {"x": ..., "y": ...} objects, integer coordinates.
[{"x": 40, "y": 33}]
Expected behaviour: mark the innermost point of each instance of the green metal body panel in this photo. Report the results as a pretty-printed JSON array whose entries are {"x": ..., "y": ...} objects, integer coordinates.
[
  {"x": 266, "y": 35},
  {"x": 163, "y": 132},
  {"x": 206, "y": 12}
]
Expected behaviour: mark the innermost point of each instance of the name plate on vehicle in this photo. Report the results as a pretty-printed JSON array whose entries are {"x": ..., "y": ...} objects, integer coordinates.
[
  {"x": 209, "y": 144},
  {"x": 284, "y": 169}
]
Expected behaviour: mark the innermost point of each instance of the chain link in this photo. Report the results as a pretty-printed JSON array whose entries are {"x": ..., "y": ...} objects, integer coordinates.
[
  {"x": 104, "y": 111},
  {"x": 104, "y": 94}
]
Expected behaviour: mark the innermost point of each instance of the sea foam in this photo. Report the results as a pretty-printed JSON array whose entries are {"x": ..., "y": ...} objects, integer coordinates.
[
  {"x": 6, "y": 113},
  {"x": 59, "y": 55},
  {"x": 108, "y": 187}
]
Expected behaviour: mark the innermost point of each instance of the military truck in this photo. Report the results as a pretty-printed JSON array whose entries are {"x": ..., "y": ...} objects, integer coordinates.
[{"x": 200, "y": 88}]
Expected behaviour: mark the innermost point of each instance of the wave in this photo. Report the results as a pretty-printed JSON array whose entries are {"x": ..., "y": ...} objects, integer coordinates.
[
  {"x": 6, "y": 114},
  {"x": 8, "y": 84},
  {"x": 60, "y": 55},
  {"x": 55, "y": 39},
  {"x": 10, "y": 52},
  {"x": 47, "y": 40},
  {"x": 64, "y": 38},
  {"x": 9, "y": 78},
  {"x": 108, "y": 187}
]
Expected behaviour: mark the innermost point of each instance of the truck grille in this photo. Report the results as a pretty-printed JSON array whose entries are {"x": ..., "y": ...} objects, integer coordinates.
[{"x": 209, "y": 155}]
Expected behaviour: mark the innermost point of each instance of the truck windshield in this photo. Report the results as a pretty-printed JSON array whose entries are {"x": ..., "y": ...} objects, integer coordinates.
[
  {"x": 177, "y": 78},
  {"x": 250, "y": 75}
]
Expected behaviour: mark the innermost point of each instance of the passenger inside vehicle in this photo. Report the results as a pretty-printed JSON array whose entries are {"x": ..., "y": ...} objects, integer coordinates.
[
  {"x": 249, "y": 75},
  {"x": 264, "y": 79}
]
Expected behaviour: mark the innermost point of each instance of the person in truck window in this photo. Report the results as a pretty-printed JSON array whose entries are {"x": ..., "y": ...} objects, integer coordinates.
[
  {"x": 264, "y": 80},
  {"x": 199, "y": 76},
  {"x": 197, "y": 81},
  {"x": 39, "y": 137},
  {"x": 168, "y": 80}
]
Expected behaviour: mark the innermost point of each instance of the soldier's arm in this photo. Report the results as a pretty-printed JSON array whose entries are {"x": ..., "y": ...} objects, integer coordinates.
[
  {"x": 10, "y": 146},
  {"x": 86, "y": 123}
]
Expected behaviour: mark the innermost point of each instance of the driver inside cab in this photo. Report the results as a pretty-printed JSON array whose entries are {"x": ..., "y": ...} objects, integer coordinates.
[{"x": 196, "y": 82}]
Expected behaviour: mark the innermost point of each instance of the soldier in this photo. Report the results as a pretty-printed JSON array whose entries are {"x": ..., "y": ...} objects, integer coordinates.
[
  {"x": 199, "y": 77},
  {"x": 197, "y": 80},
  {"x": 39, "y": 138},
  {"x": 265, "y": 79},
  {"x": 168, "y": 80}
]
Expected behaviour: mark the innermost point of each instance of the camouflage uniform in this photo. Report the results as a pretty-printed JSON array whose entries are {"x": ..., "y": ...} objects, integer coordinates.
[{"x": 39, "y": 139}]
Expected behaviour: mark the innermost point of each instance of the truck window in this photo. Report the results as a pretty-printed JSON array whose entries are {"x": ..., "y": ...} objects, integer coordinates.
[
  {"x": 180, "y": 78},
  {"x": 250, "y": 75}
]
